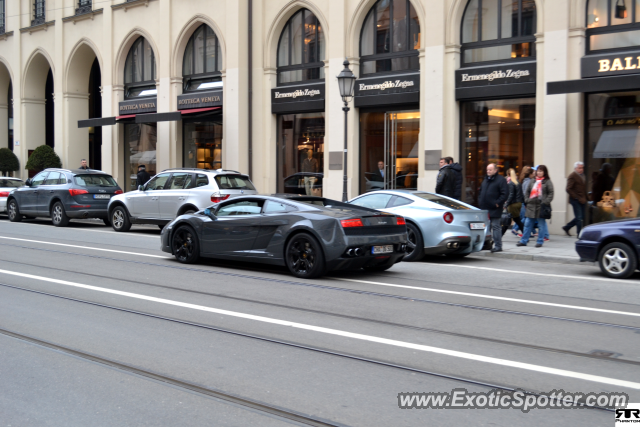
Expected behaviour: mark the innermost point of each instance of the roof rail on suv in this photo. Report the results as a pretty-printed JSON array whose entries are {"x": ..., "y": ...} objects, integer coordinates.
[{"x": 200, "y": 169}]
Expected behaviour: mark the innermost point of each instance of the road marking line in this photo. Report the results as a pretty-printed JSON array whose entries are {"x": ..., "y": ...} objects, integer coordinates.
[
  {"x": 550, "y": 304},
  {"x": 85, "y": 229},
  {"x": 86, "y": 247},
  {"x": 403, "y": 344}
]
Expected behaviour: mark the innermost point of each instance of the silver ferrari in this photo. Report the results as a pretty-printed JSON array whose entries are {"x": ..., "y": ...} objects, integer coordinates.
[{"x": 436, "y": 224}]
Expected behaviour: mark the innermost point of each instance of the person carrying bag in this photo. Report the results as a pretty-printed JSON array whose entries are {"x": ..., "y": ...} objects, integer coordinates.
[{"x": 538, "y": 196}]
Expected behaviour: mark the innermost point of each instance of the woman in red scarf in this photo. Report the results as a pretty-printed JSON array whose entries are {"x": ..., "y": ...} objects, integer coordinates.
[{"x": 537, "y": 195}]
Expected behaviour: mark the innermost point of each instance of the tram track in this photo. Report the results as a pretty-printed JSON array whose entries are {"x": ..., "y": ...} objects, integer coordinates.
[{"x": 224, "y": 396}]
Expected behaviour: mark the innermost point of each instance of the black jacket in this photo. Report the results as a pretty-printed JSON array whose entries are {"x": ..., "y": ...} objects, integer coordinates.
[
  {"x": 446, "y": 183},
  {"x": 457, "y": 173},
  {"x": 143, "y": 177},
  {"x": 515, "y": 194},
  {"x": 493, "y": 191}
]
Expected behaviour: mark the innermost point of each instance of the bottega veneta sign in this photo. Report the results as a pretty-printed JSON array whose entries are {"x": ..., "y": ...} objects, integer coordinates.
[
  {"x": 496, "y": 75},
  {"x": 147, "y": 105},
  {"x": 611, "y": 64},
  {"x": 200, "y": 100}
]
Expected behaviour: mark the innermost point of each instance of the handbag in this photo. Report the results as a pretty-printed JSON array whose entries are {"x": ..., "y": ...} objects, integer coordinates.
[
  {"x": 505, "y": 221},
  {"x": 621, "y": 10},
  {"x": 545, "y": 211}
]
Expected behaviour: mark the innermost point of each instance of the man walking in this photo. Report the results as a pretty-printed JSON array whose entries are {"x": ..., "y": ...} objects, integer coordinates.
[
  {"x": 457, "y": 173},
  {"x": 577, "y": 189},
  {"x": 446, "y": 182},
  {"x": 493, "y": 193},
  {"x": 309, "y": 165},
  {"x": 83, "y": 164},
  {"x": 143, "y": 176}
]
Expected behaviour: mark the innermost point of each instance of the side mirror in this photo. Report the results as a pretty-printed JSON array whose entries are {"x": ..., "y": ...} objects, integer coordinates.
[
  {"x": 28, "y": 182},
  {"x": 140, "y": 187},
  {"x": 208, "y": 212}
]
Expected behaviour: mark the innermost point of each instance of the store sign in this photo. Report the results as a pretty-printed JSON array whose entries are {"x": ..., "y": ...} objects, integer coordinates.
[
  {"x": 190, "y": 101},
  {"x": 611, "y": 64},
  {"x": 136, "y": 106},
  {"x": 628, "y": 121},
  {"x": 298, "y": 98},
  {"x": 496, "y": 75},
  {"x": 388, "y": 85}
]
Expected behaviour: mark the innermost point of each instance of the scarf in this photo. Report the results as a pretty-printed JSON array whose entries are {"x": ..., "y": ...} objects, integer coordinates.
[{"x": 536, "y": 191}]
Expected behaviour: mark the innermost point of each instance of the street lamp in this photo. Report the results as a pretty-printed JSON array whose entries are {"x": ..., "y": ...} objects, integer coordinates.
[{"x": 346, "y": 83}]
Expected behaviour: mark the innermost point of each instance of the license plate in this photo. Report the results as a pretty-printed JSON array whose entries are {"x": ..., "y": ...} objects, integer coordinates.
[
  {"x": 386, "y": 249},
  {"x": 477, "y": 226},
  {"x": 102, "y": 196}
]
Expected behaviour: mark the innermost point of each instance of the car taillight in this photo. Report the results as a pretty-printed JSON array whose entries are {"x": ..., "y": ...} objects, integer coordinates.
[
  {"x": 401, "y": 221},
  {"x": 346, "y": 223},
  {"x": 118, "y": 192},
  {"x": 448, "y": 217},
  {"x": 4, "y": 194},
  {"x": 217, "y": 197},
  {"x": 76, "y": 192}
]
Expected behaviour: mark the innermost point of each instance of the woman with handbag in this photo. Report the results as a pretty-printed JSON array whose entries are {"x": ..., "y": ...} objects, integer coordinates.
[
  {"x": 538, "y": 196},
  {"x": 515, "y": 199}
]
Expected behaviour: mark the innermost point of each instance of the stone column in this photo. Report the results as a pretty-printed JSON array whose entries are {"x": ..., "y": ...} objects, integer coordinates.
[{"x": 76, "y": 144}]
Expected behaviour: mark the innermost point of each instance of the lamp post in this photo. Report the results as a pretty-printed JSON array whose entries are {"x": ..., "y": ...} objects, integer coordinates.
[{"x": 346, "y": 83}]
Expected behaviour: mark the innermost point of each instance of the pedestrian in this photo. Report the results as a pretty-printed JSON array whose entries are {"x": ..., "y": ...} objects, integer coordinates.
[
  {"x": 446, "y": 181},
  {"x": 538, "y": 196},
  {"x": 525, "y": 176},
  {"x": 577, "y": 189},
  {"x": 143, "y": 176},
  {"x": 493, "y": 194},
  {"x": 83, "y": 164},
  {"x": 457, "y": 173},
  {"x": 515, "y": 199}
]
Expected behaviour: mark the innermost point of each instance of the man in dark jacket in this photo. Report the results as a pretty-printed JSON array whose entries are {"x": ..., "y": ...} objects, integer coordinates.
[
  {"x": 446, "y": 182},
  {"x": 457, "y": 173},
  {"x": 143, "y": 175},
  {"x": 493, "y": 193},
  {"x": 577, "y": 189}
]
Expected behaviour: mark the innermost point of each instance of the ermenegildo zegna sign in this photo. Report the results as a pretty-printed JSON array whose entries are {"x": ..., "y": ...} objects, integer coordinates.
[
  {"x": 612, "y": 64},
  {"x": 299, "y": 98},
  {"x": 200, "y": 100},
  {"x": 394, "y": 89},
  {"x": 496, "y": 80},
  {"x": 137, "y": 106}
]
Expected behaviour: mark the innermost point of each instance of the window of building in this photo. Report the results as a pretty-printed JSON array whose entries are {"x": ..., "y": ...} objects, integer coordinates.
[
  {"x": 38, "y": 12},
  {"x": 3, "y": 16},
  {"x": 301, "y": 49},
  {"x": 84, "y": 6},
  {"x": 202, "y": 61},
  {"x": 612, "y": 24},
  {"x": 140, "y": 70},
  {"x": 495, "y": 30},
  {"x": 202, "y": 143},
  {"x": 390, "y": 38}
]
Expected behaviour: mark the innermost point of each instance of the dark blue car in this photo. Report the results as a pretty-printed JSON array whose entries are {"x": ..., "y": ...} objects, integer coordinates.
[{"x": 614, "y": 245}]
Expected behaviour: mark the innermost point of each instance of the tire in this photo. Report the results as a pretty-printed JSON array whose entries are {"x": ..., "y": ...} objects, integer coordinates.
[
  {"x": 13, "y": 211},
  {"x": 59, "y": 217},
  {"x": 415, "y": 244},
  {"x": 185, "y": 245},
  {"x": 119, "y": 219},
  {"x": 618, "y": 260},
  {"x": 304, "y": 257},
  {"x": 188, "y": 212},
  {"x": 106, "y": 222}
]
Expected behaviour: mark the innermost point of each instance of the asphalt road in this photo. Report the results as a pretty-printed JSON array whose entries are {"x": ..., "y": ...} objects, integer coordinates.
[{"x": 103, "y": 329}]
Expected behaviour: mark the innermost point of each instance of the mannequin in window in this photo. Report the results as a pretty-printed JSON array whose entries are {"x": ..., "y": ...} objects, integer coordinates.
[{"x": 309, "y": 165}]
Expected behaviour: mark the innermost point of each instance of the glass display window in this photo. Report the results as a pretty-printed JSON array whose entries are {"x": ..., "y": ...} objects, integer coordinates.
[
  {"x": 202, "y": 144},
  {"x": 140, "y": 149}
]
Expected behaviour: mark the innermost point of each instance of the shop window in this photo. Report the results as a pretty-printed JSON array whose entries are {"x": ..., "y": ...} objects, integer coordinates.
[
  {"x": 140, "y": 150},
  {"x": 500, "y": 132},
  {"x": 390, "y": 38},
  {"x": 301, "y": 49},
  {"x": 612, "y": 24},
  {"x": 3, "y": 16},
  {"x": 202, "y": 61},
  {"x": 498, "y": 30},
  {"x": 301, "y": 153},
  {"x": 202, "y": 142},
  {"x": 140, "y": 71}
]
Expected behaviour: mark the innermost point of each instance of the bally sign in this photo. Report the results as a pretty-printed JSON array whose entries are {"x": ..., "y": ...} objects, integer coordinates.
[
  {"x": 200, "y": 100},
  {"x": 611, "y": 65},
  {"x": 147, "y": 105}
]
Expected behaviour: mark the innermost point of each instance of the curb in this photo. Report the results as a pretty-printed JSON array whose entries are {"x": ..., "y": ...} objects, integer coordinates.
[{"x": 539, "y": 258}]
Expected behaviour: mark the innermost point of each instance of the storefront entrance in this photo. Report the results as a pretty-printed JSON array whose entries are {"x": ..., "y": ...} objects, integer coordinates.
[{"x": 389, "y": 150}]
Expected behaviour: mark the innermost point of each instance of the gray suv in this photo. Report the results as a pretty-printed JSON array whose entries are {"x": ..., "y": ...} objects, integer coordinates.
[{"x": 176, "y": 192}]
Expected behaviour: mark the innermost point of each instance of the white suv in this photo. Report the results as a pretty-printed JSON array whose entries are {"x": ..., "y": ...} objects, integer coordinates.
[{"x": 175, "y": 192}]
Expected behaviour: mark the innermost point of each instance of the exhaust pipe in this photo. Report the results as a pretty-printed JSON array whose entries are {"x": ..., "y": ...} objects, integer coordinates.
[
  {"x": 358, "y": 252},
  {"x": 349, "y": 252}
]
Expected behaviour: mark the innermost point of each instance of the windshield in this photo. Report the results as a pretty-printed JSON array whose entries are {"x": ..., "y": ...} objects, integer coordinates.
[
  {"x": 11, "y": 183},
  {"x": 442, "y": 201},
  {"x": 234, "y": 182},
  {"x": 95, "y": 181}
]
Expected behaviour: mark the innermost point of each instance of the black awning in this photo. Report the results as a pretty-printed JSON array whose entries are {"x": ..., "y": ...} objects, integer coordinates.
[
  {"x": 172, "y": 116},
  {"x": 595, "y": 84},
  {"x": 102, "y": 121}
]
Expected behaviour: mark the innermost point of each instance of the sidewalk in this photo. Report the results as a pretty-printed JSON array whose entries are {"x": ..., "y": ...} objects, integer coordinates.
[{"x": 559, "y": 249}]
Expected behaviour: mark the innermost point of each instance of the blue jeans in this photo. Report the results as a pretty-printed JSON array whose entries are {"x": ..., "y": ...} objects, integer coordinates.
[
  {"x": 528, "y": 227},
  {"x": 522, "y": 210},
  {"x": 578, "y": 213}
]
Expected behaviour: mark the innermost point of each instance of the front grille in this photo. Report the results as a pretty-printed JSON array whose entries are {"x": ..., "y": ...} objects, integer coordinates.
[{"x": 376, "y": 230}]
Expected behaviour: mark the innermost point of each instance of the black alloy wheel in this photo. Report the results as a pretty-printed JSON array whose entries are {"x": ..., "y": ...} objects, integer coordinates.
[
  {"x": 185, "y": 245},
  {"x": 304, "y": 257},
  {"x": 618, "y": 260},
  {"x": 13, "y": 211},
  {"x": 415, "y": 244},
  {"x": 120, "y": 219},
  {"x": 59, "y": 217}
]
